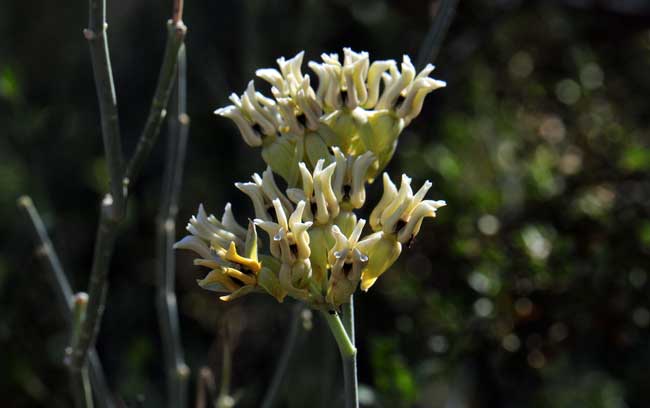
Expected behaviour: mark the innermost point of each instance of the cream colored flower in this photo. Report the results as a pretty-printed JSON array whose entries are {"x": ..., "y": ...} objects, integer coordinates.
[
  {"x": 350, "y": 178},
  {"x": 233, "y": 261},
  {"x": 400, "y": 213},
  {"x": 262, "y": 191}
]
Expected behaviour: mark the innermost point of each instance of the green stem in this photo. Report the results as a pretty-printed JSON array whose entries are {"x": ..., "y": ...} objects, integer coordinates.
[
  {"x": 81, "y": 389},
  {"x": 350, "y": 366},
  {"x": 348, "y": 357}
]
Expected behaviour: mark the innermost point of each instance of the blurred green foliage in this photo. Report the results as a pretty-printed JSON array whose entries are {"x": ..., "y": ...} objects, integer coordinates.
[{"x": 529, "y": 289}]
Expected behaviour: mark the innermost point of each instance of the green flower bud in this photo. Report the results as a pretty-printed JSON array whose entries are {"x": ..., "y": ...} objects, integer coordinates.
[
  {"x": 321, "y": 241},
  {"x": 346, "y": 221},
  {"x": 283, "y": 156},
  {"x": 269, "y": 280},
  {"x": 379, "y": 131},
  {"x": 316, "y": 149},
  {"x": 382, "y": 253}
]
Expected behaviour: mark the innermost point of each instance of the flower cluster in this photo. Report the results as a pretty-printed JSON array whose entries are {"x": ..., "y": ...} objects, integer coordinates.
[{"x": 326, "y": 144}]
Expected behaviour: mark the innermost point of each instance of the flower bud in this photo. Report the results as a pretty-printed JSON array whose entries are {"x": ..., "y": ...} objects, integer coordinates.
[{"x": 382, "y": 252}]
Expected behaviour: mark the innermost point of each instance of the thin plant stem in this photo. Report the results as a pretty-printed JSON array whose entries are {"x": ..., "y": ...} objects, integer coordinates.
[
  {"x": 205, "y": 382},
  {"x": 175, "y": 36},
  {"x": 348, "y": 357},
  {"x": 98, "y": 284},
  {"x": 111, "y": 214},
  {"x": 176, "y": 369},
  {"x": 434, "y": 38},
  {"x": 350, "y": 365},
  {"x": 225, "y": 399},
  {"x": 97, "y": 38},
  {"x": 63, "y": 294},
  {"x": 79, "y": 380},
  {"x": 283, "y": 362}
]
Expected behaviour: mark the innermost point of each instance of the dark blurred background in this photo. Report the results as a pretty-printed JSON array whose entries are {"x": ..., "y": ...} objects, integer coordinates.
[{"x": 529, "y": 290}]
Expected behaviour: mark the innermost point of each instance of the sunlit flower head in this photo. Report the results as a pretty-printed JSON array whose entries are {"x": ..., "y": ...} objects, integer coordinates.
[
  {"x": 358, "y": 106},
  {"x": 326, "y": 136}
]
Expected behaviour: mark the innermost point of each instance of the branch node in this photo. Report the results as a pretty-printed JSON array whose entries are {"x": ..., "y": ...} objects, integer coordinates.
[
  {"x": 182, "y": 371},
  {"x": 89, "y": 34},
  {"x": 24, "y": 201}
]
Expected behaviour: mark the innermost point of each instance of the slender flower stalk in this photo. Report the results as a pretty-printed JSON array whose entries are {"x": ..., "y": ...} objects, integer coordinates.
[{"x": 351, "y": 386}]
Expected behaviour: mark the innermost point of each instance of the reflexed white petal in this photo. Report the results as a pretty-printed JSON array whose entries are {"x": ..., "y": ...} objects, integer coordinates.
[
  {"x": 358, "y": 178},
  {"x": 412, "y": 227},
  {"x": 272, "y": 191},
  {"x": 254, "y": 192},
  {"x": 389, "y": 195},
  {"x": 195, "y": 244},
  {"x": 229, "y": 221},
  {"x": 250, "y": 136}
]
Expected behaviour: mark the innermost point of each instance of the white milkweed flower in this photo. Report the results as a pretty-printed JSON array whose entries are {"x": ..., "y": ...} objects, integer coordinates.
[
  {"x": 350, "y": 178},
  {"x": 401, "y": 213},
  {"x": 232, "y": 258},
  {"x": 289, "y": 242},
  {"x": 262, "y": 191},
  {"x": 322, "y": 205},
  {"x": 347, "y": 258}
]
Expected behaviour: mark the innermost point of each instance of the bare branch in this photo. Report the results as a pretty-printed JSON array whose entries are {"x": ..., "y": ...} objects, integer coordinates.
[
  {"x": 101, "y": 61},
  {"x": 176, "y": 369},
  {"x": 51, "y": 262},
  {"x": 175, "y": 37},
  {"x": 435, "y": 36}
]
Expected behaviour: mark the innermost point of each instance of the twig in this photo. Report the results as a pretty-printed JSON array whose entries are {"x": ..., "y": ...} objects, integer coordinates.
[
  {"x": 177, "y": 14},
  {"x": 112, "y": 213},
  {"x": 350, "y": 364},
  {"x": 79, "y": 381},
  {"x": 175, "y": 36},
  {"x": 348, "y": 357},
  {"x": 224, "y": 399},
  {"x": 176, "y": 369},
  {"x": 101, "y": 61},
  {"x": 63, "y": 292},
  {"x": 204, "y": 382},
  {"x": 435, "y": 36},
  {"x": 283, "y": 362},
  {"x": 98, "y": 284}
]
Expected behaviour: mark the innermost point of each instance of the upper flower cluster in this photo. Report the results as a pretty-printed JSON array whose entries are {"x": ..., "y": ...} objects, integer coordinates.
[
  {"x": 327, "y": 144},
  {"x": 358, "y": 106}
]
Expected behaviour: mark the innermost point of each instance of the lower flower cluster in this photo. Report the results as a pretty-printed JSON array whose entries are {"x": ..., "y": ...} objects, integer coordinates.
[{"x": 316, "y": 249}]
